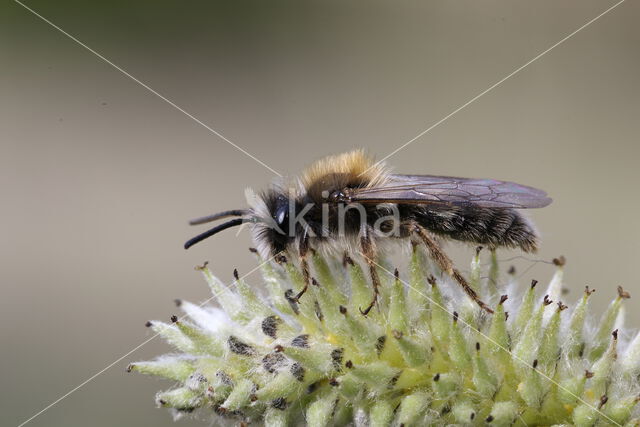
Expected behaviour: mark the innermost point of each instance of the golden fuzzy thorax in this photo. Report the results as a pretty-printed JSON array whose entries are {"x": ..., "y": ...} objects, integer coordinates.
[{"x": 355, "y": 166}]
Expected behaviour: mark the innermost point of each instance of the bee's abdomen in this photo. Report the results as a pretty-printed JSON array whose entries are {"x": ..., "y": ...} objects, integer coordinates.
[{"x": 491, "y": 227}]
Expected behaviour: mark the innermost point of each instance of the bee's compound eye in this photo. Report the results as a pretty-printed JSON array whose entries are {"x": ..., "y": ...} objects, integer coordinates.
[{"x": 281, "y": 214}]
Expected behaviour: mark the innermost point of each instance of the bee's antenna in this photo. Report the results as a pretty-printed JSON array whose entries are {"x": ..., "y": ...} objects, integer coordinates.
[
  {"x": 219, "y": 215},
  {"x": 214, "y": 230}
]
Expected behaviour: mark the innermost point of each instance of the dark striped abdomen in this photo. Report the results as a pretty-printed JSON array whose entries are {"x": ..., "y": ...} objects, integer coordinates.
[{"x": 486, "y": 226}]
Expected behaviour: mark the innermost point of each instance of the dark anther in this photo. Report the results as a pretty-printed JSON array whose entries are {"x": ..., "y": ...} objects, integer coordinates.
[
  {"x": 177, "y": 302},
  {"x": 503, "y": 298},
  {"x": 318, "y": 310},
  {"x": 314, "y": 282},
  {"x": 148, "y": 324},
  {"x": 336, "y": 358},
  {"x": 291, "y": 299},
  {"x": 129, "y": 367},
  {"x": 396, "y": 274},
  {"x": 272, "y": 361},
  {"x": 235, "y": 274},
  {"x": 279, "y": 403},
  {"x": 431, "y": 280},
  {"x": 455, "y": 316},
  {"x": 546, "y": 300},
  {"x": 174, "y": 318},
  {"x": 623, "y": 294},
  {"x": 346, "y": 260},
  {"x": 615, "y": 334},
  {"x": 506, "y": 316},
  {"x": 560, "y": 261},
  {"x": 534, "y": 282},
  {"x": 535, "y": 363},
  {"x": 297, "y": 370},
  {"x": 478, "y": 249},
  {"x": 588, "y": 374},
  {"x": 349, "y": 364},
  {"x": 343, "y": 309},
  {"x": 561, "y": 306},
  {"x": 380, "y": 342},
  {"x": 489, "y": 418},
  {"x": 512, "y": 270},
  {"x": 278, "y": 348},
  {"x": 477, "y": 346},
  {"x": 588, "y": 291},
  {"x": 603, "y": 400},
  {"x": 333, "y": 382},
  {"x": 253, "y": 250},
  {"x": 203, "y": 266},
  {"x": 239, "y": 347},
  {"x": 436, "y": 377},
  {"x": 270, "y": 326},
  {"x": 312, "y": 387},
  {"x": 301, "y": 341}
]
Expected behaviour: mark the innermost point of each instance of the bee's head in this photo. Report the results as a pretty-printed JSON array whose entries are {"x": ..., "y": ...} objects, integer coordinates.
[
  {"x": 271, "y": 212},
  {"x": 269, "y": 215}
]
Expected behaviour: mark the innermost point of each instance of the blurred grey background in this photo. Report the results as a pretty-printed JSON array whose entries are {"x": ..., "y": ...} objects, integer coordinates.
[{"x": 99, "y": 176}]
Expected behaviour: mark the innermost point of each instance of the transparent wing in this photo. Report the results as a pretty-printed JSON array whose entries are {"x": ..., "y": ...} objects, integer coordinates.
[{"x": 424, "y": 189}]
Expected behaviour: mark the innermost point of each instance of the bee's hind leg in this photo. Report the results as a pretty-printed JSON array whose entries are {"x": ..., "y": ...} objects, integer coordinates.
[
  {"x": 444, "y": 262},
  {"x": 303, "y": 250},
  {"x": 369, "y": 252}
]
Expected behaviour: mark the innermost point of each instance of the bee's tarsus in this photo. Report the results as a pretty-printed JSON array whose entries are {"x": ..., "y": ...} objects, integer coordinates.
[
  {"x": 445, "y": 264},
  {"x": 303, "y": 249},
  {"x": 369, "y": 253},
  {"x": 299, "y": 294},
  {"x": 366, "y": 311}
]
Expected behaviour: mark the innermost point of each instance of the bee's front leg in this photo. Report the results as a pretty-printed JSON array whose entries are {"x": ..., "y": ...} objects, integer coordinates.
[
  {"x": 444, "y": 262},
  {"x": 303, "y": 250},
  {"x": 367, "y": 246}
]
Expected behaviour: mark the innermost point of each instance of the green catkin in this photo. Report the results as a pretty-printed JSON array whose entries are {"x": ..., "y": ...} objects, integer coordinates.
[
  {"x": 440, "y": 317},
  {"x": 476, "y": 271},
  {"x": 494, "y": 275},
  {"x": 421, "y": 356},
  {"x": 320, "y": 410},
  {"x": 173, "y": 335},
  {"x": 549, "y": 349},
  {"x": 525, "y": 351},
  {"x": 575, "y": 346},
  {"x": 412, "y": 407},
  {"x": 398, "y": 318},
  {"x": 239, "y": 396},
  {"x": 463, "y": 412},
  {"x": 484, "y": 380},
  {"x": 382, "y": 413},
  {"x": 360, "y": 289},
  {"x": 526, "y": 309},
  {"x": 419, "y": 291},
  {"x": 203, "y": 343},
  {"x": 606, "y": 326},
  {"x": 329, "y": 284}
]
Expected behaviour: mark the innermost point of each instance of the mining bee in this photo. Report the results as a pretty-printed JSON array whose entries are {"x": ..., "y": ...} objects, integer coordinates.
[{"x": 350, "y": 202}]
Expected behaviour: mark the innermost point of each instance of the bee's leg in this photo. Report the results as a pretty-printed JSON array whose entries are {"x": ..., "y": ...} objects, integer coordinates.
[
  {"x": 444, "y": 262},
  {"x": 303, "y": 250},
  {"x": 369, "y": 252}
]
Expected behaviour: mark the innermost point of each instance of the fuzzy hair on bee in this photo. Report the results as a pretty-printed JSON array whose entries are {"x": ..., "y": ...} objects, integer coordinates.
[{"x": 350, "y": 202}]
